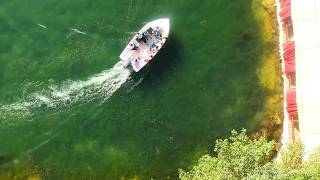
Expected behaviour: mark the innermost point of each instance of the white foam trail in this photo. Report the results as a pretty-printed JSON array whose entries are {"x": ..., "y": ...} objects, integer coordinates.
[
  {"x": 101, "y": 85},
  {"x": 42, "y": 143},
  {"x": 43, "y": 26},
  {"x": 77, "y": 31},
  {"x": 134, "y": 85}
]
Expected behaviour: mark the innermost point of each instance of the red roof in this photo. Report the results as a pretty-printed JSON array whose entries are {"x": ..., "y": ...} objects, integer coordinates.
[
  {"x": 289, "y": 56},
  {"x": 291, "y": 102},
  {"x": 285, "y": 9}
]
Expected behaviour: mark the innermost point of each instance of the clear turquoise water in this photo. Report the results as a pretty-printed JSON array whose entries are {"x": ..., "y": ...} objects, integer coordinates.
[{"x": 63, "y": 114}]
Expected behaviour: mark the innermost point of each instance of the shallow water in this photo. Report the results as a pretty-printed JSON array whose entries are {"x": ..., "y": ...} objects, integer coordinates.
[{"x": 68, "y": 111}]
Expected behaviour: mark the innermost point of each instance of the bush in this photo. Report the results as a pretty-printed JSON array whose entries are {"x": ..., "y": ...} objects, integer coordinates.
[{"x": 239, "y": 157}]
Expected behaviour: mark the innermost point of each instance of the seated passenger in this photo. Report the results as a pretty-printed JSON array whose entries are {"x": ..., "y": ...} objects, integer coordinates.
[
  {"x": 153, "y": 46},
  {"x": 157, "y": 33},
  {"x": 134, "y": 46},
  {"x": 150, "y": 30},
  {"x": 141, "y": 37}
]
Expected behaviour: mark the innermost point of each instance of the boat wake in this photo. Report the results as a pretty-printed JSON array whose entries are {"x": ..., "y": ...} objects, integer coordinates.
[{"x": 101, "y": 86}]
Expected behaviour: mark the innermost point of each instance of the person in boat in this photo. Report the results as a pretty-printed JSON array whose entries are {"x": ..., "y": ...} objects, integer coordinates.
[
  {"x": 154, "y": 46},
  {"x": 137, "y": 60},
  {"x": 150, "y": 30},
  {"x": 157, "y": 32},
  {"x": 141, "y": 37},
  {"x": 134, "y": 46}
]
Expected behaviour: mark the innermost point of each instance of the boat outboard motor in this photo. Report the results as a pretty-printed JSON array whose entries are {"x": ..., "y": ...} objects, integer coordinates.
[{"x": 125, "y": 63}]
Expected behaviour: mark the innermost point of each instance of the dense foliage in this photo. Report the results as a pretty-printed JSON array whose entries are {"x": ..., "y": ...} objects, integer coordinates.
[
  {"x": 239, "y": 157},
  {"x": 236, "y": 157}
]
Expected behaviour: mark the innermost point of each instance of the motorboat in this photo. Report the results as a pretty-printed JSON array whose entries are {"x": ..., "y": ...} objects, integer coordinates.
[{"x": 145, "y": 44}]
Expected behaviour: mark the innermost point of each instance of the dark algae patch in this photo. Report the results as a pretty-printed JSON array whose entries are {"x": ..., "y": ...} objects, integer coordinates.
[{"x": 219, "y": 70}]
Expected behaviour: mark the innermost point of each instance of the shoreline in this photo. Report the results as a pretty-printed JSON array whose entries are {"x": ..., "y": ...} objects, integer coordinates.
[
  {"x": 285, "y": 138},
  {"x": 271, "y": 126}
]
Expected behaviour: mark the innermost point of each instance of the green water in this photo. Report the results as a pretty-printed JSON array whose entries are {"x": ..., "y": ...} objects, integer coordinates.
[{"x": 63, "y": 114}]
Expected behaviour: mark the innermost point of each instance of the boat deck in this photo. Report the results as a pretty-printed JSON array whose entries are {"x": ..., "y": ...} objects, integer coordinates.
[
  {"x": 141, "y": 56},
  {"x": 146, "y": 44}
]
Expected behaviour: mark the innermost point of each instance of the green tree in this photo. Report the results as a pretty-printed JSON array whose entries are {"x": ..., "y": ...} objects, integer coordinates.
[
  {"x": 239, "y": 157},
  {"x": 291, "y": 157},
  {"x": 292, "y": 166},
  {"x": 236, "y": 157}
]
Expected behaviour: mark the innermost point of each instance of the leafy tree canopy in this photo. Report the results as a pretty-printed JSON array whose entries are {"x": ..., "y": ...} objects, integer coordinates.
[
  {"x": 236, "y": 157},
  {"x": 239, "y": 157}
]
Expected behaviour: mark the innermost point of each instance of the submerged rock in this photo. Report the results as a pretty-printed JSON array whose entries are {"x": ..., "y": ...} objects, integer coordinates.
[{"x": 3, "y": 158}]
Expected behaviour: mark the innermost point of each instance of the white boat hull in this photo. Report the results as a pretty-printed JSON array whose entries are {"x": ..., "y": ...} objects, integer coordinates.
[{"x": 146, "y": 44}]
